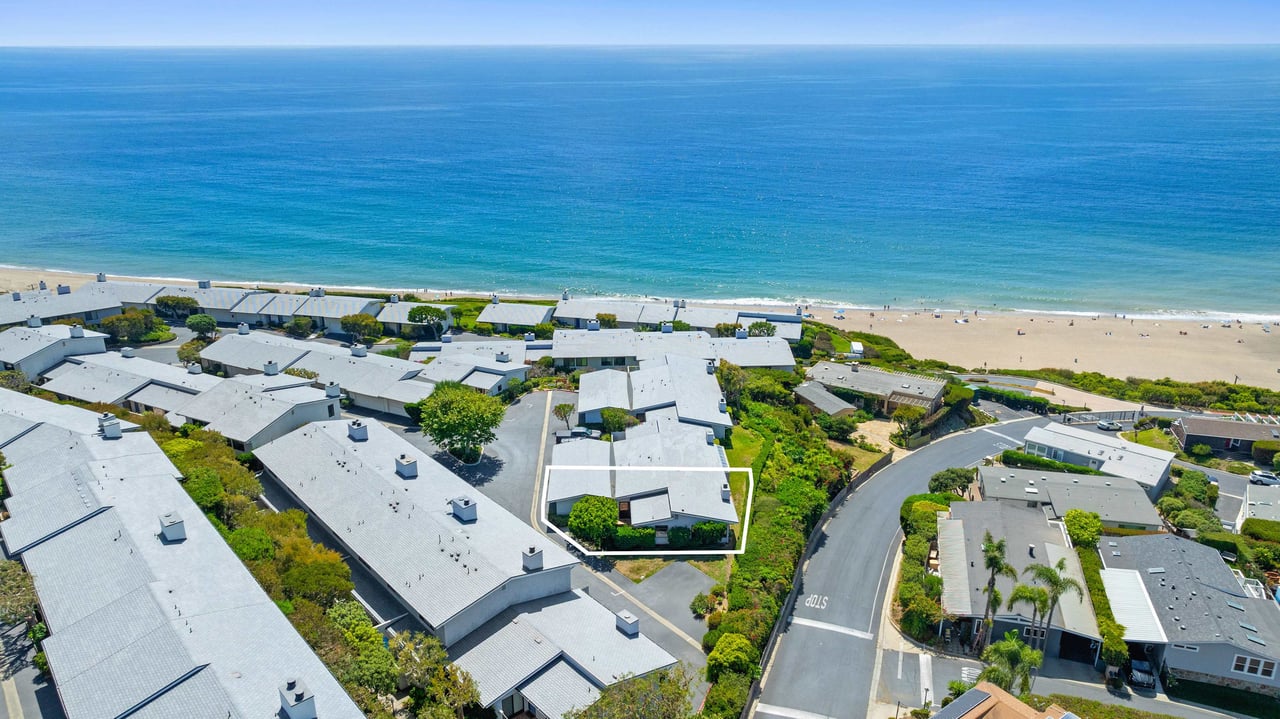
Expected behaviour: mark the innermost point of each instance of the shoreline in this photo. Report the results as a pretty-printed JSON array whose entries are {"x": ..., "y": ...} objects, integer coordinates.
[
  {"x": 1194, "y": 348},
  {"x": 10, "y": 272}
]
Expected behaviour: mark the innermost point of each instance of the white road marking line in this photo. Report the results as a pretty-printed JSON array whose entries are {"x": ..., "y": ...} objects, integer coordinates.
[
  {"x": 926, "y": 677},
  {"x": 900, "y": 655},
  {"x": 831, "y": 628},
  {"x": 1002, "y": 436},
  {"x": 788, "y": 713},
  {"x": 893, "y": 548}
]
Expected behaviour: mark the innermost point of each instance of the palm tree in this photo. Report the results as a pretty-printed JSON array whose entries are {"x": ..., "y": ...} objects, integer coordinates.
[
  {"x": 1037, "y": 597},
  {"x": 1055, "y": 585},
  {"x": 1010, "y": 662},
  {"x": 993, "y": 559}
]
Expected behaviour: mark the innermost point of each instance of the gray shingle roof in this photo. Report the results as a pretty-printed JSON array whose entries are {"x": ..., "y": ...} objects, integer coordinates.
[
  {"x": 438, "y": 565},
  {"x": 130, "y": 614},
  {"x": 818, "y": 396},
  {"x": 745, "y": 352},
  {"x": 1117, "y": 457},
  {"x": 515, "y": 313},
  {"x": 1229, "y": 428},
  {"x": 1114, "y": 499},
  {"x": 49, "y": 304},
  {"x": 398, "y": 312},
  {"x": 1201, "y": 589},
  {"x": 19, "y": 343},
  {"x": 334, "y": 307},
  {"x": 876, "y": 382},
  {"x": 558, "y": 689}
]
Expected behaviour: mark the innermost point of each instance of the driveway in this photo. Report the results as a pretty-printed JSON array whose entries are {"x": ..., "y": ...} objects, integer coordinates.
[
  {"x": 24, "y": 692},
  {"x": 825, "y": 658}
]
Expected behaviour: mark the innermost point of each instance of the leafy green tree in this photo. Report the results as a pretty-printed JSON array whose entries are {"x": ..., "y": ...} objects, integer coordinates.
[
  {"x": 299, "y": 327},
  {"x": 453, "y": 688},
  {"x": 322, "y": 579},
  {"x": 432, "y": 319},
  {"x": 594, "y": 519},
  {"x": 18, "y": 601},
  {"x": 1084, "y": 528},
  {"x": 189, "y": 351},
  {"x": 616, "y": 420},
  {"x": 761, "y": 329},
  {"x": 733, "y": 382},
  {"x": 727, "y": 696},
  {"x": 460, "y": 419},
  {"x": 1010, "y": 663},
  {"x": 955, "y": 479},
  {"x": 608, "y": 321},
  {"x": 1057, "y": 586},
  {"x": 15, "y": 380},
  {"x": 681, "y": 326},
  {"x": 176, "y": 305},
  {"x": 544, "y": 330},
  {"x": 660, "y": 695},
  {"x": 364, "y": 327},
  {"x": 908, "y": 417},
  {"x": 727, "y": 329},
  {"x": 733, "y": 653},
  {"x": 563, "y": 412},
  {"x": 1201, "y": 451},
  {"x": 251, "y": 544},
  {"x": 418, "y": 655},
  {"x": 994, "y": 560},
  {"x": 132, "y": 324},
  {"x": 372, "y": 667},
  {"x": 203, "y": 325},
  {"x": 205, "y": 488}
]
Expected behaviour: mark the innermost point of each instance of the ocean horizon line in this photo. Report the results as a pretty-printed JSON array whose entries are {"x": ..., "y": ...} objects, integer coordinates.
[{"x": 822, "y": 304}]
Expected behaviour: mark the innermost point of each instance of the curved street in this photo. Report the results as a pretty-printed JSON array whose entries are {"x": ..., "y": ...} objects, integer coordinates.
[{"x": 825, "y": 659}]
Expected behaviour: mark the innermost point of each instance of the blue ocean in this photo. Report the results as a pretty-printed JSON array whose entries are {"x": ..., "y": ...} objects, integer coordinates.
[{"x": 1109, "y": 180}]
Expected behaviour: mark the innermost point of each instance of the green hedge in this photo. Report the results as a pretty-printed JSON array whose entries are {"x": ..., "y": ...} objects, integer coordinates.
[
  {"x": 1263, "y": 529},
  {"x": 1014, "y": 458},
  {"x": 1014, "y": 400},
  {"x": 1265, "y": 451},
  {"x": 634, "y": 538},
  {"x": 904, "y": 512},
  {"x": 1226, "y": 542}
]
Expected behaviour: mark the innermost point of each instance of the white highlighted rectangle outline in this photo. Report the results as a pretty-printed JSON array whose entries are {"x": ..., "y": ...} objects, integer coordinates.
[{"x": 745, "y": 523}]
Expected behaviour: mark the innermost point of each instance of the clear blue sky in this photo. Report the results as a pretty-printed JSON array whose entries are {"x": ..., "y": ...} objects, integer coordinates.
[{"x": 613, "y": 22}]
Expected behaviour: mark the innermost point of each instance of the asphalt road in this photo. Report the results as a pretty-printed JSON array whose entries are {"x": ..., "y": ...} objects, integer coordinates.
[{"x": 825, "y": 659}]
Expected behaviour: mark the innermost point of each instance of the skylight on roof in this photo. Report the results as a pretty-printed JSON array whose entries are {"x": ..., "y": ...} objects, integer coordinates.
[
  {"x": 1256, "y": 640},
  {"x": 1154, "y": 570},
  {"x": 1250, "y": 627},
  {"x": 1235, "y": 605}
]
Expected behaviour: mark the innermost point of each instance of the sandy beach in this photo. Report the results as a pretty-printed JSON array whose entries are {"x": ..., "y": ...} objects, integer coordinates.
[{"x": 1180, "y": 349}]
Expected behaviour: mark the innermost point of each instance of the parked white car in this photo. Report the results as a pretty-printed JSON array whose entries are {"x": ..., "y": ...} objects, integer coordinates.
[
  {"x": 1261, "y": 477},
  {"x": 1110, "y": 426}
]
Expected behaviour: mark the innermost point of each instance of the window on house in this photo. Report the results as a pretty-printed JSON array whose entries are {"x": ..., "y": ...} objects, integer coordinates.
[
  {"x": 1033, "y": 632},
  {"x": 331, "y": 411},
  {"x": 1187, "y": 647},
  {"x": 1254, "y": 666}
]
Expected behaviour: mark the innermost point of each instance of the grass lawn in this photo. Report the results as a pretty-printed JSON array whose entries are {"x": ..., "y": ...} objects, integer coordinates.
[
  {"x": 717, "y": 569},
  {"x": 1153, "y": 437},
  {"x": 862, "y": 458},
  {"x": 746, "y": 445},
  {"x": 1234, "y": 700},
  {"x": 469, "y": 308},
  {"x": 641, "y": 568}
]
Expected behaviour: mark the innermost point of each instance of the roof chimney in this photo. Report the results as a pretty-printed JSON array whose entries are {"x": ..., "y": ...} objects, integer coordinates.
[
  {"x": 172, "y": 528},
  {"x": 502, "y": 357},
  {"x": 531, "y": 559},
  {"x": 675, "y": 304},
  {"x": 242, "y": 328},
  {"x": 270, "y": 368},
  {"x": 297, "y": 701},
  {"x": 195, "y": 368},
  {"x": 740, "y": 333},
  {"x": 17, "y": 296},
  {"x": 359, "y": 350},
  {"x": 34, "y": 321},
  {"x": 682, "y": 304},
  {"x": 128, "y": 352},
  {"x": 77, "y": 331},
  {"x": 358, "y": 431},
  {"x": 64, "y": 289},
  {"x": 593, "y": 325},
  {"x": 393, "y": 299},
  {"x": 102, "y": 277},
  {"x": 204, "y": 284},
  {"x": 668, "y": 328},
  {"x": 446, "y": 339},
  {"x": 316, "y": 292},
  {"x": 799, "y": 311},
  {"x": 529, "y": 337},
  {"x": 493, "y": 299},
  {"x": 332, "y": 390},
  {"x": 724, "y": 405},
  {"x": 628, "y": 623},
  {"x": 725, "y": 494},
  {"x": 564, "y": 295},
  {"x": 711, "y": 366},
  {"x": 43, "y": 286},
  {"x": 464, "y": 508},
  {"x": 110, "y": 426},
  {"x": 407, "y": 466}
]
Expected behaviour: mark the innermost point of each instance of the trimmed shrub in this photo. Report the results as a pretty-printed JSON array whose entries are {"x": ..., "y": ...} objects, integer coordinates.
[
  {"x": 634, "y": 537},
  {"x": 594, "y": 519},
  {"x": 1265, "y": 451},
  {"x": 727, "y": 696},
  {"x": 733, "y": 653},
  {"x": 701, "y": 605},
  {"x": 1083, "y": 527},
  {"x": 904, "y": 512},
  {"x": 1263, "y": 529},
  {"x": 679, "y": 537},
  {"x": 1227, "y": 542},
  {"x": 1014, "y": 458},
  {"x": 1202, "y": 451},
  {"x": 712, "y": 533}
]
